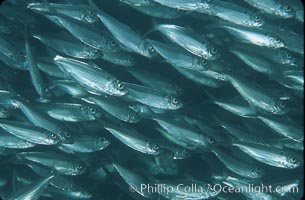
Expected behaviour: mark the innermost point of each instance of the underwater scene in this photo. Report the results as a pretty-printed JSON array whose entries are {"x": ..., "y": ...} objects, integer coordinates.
[{"x": 151, "y": 99}]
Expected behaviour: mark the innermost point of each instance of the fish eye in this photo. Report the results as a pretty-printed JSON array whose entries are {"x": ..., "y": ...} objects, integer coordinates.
[
  {"x": 156, "y": 147},
  {"x": 113, "y": 43},
  {"x": 214, "y": 50},
  {"x": 204, "y": 62},
  {"x": 210, "y": 140},
  {"x": 175, "y": 100},
  {"x": 287, "y": 8},
  {"x": 258, "y": 169},
  {"x": 282, "y": 153},
  {"x": 131, "y": 106},
  {"x": 120, "y": 86},
  {"x": 277, "y": 40},
  {"x": 103, "y": 139},
  {"x": 79, "y": 166},
  {"x": 289, "y": 55},
  {"x": 68, "y": 135},
  {"x": 282, "y": 104},
  {"x": 53, "y": 136},
  {"x": 184, "y": 152},
  {"x": 151, "y": 48},
  {"x": 92, "y": 110},
  {"x": 293, "y": 160},
  {"x": 257, "y": 19}
]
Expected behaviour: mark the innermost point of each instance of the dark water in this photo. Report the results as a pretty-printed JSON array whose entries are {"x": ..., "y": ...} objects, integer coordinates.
[{"x": 101, "y": 180}]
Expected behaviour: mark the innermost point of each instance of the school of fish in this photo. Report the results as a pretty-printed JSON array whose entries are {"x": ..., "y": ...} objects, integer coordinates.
[{"x": 147, "y": 99}]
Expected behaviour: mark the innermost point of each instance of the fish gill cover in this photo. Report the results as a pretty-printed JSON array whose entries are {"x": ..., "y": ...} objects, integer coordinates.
[{"x": 151, "y": 99}]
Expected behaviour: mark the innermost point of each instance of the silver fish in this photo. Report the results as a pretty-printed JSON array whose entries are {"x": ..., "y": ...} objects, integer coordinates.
[
  {"x": 200, "y": 78},
  {"x": 134, "y": 140},
  {"x": 68, "y": 86},
  {"x": 81, "y": 31},
  {"x": 236, "y": 105},
  {"x": 35, "y": 74},
  {"x": 284, "y": 126},
  {"x": 81, "y": 13},
  {"x": 13, "y": 142},
  {"x": 157, "y": 81},
  {"x": 58, "y": 162},
  {"x": 149, "y": 7},
  {"x": 47, "y": 65},
  {"x": 42, "y": 120},
  {"x": 126, "y": 36},
  {"x": 278, "y": 8},
  {"x": 70, "y": 112},
  {"x": 184, "y": 135},
  {"x": 30, "y": 133},
  {"x": 114, "y": 107},
  {"x": 188, "y": 40},
  {"x": 34, "y": 190},
  {"x": 238, "y": 166},
  {"x": 85, "y": 144},
  {"x": 179, "y": 58},
  {"x": 68, "y": 45},
  {"x": 123, "y": 58},
  {"x": 192, "y": 5},
  {"x": 258, "y": 96},
  {"x": 91, "y": 76},
  {"x": 11, "y": 54},
  {"x": 133, "y": 180},
  {"x": 254, "y": 36},
  {"x": 152, "y": 97},
  {"x": 231, "y": 12},
  {"x": 271, "y": 155}
]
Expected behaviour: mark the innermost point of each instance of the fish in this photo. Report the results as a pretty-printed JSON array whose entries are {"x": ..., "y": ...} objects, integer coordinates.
[
  {"x": 134, "y": 140},
  {"x": 187, "y": 39},
  {"x": 70, "y": 112},
  {"x": 122, "y": 58},
  {"x": 47, "y": 65},
  {"x": 148, "y": 78},
  {"x": 4, "y": 112},
  {"x": 35, "y": 74},
  {"x": 68, "y": 86},
  {"x": 236, "y": 105},
  {"x": 152, "y": 97},
  {"x": 192, "y": 5},
  {"x": 81, "y": 31},
  {"x": 90, "y": 76},
  {"x": 125, "y": 35},
  {"x": 184, "y": 135},
  {"x": 85, "y": 144},
  {"x": 205, "y": 78},
  {"x": 154, "y": 9},
  {"x": 114, "y": 107},
  {"x": 11, "y": 54},
  {"x": 284, "y": 126},
  {"x": 280, "y": 8},
  {"x": 29, "y": 132},
  {"x": 180, "y": 58},
  {"x": 269, "y": 155},
  {"x": 238, "y": 166},
  {"x": 234, "y": 13},
  {"x": 33, "y": 190},
  {"x": 133, "y": 180},
  {"x": 68, "y": 45},
  {"x": 83, "y": 13},
  {"x": 13, "y": 142},
  {"x": 60, "y": 163},
  {"x": 258, "y": 63},
  {"x": 258, "y": 96},
  {"x": 256, "y": 36}
]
